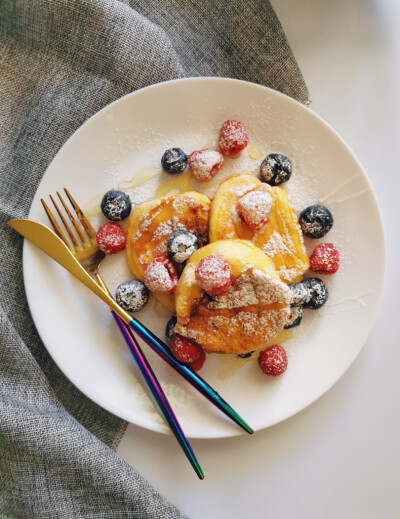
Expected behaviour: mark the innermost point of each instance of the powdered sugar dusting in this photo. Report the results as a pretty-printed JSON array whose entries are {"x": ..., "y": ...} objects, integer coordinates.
[
  {"x": 213, "y": 273},
  {"x": 180, "y": 204},
  {"x": 181, "y": 246},
  {"x": 146, "y": 220},
  {"x": 255, "y": 207},
  {"x": 111, "y": 238},
  {"x": 241, "y": 314},
  {"x": 325, "y": 259},
  {"x": 253, "y": 289},
  {"x": 205, "y": 163},
  {"x": 290, "y": 274},
  {"x": 275, "y": 245},
  {"x": 157, "y": 278},
  {"x": 265, "y": 325},
  {"x": 240, "y": 191},
  {"x": 232, "y": 137},
  {"x": 167, "y": 228}
]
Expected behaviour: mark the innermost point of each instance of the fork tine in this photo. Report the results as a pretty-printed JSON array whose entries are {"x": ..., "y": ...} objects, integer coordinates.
[
  {"x": 82, "y": 218},
  {"x": 73, "y": 221},
  {"x": 56, "y": 227},
  {"x": 67, "y": 227}
]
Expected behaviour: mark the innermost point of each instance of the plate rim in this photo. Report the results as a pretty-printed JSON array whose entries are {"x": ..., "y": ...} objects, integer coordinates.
[{"x": 155, "y": 426}]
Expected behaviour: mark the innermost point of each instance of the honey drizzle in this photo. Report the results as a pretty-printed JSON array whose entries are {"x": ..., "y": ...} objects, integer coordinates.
[
  {"x": 230, "y": 365},
  {"x": 139, "y": 179},
  {"x": 92, "y": 208},
  {"x": 180, "y": 184},
  {"x": 254, "y": 153},
  {"x": 324, "y": 198}
]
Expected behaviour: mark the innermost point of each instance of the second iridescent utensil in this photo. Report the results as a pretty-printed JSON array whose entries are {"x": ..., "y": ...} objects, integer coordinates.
[
  {"x": 53, "y": 246},
  {"x": 86, "y": 251},
  {"x": 88, "y": 256}
]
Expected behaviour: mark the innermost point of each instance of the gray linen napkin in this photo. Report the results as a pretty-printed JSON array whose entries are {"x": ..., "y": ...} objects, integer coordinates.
[{"x": 60, "y": 62}]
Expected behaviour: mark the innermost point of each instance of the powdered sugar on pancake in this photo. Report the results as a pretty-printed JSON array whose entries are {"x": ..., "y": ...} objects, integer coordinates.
[{"x": 254, "y": 309}]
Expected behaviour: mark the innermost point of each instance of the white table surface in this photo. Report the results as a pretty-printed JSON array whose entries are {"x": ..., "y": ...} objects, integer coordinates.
[{"x": 340, "y": 457}]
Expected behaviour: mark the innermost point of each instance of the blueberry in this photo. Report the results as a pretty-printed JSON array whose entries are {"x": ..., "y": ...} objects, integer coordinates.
[
  {"x": 300, "y": 293},
  {"x": 315, "y": 221},
  {"x": 132, "y": 296},
  {"x": 174, "y": 161},
  {"x": 245, "y": 355},
  {"x": 296, "y": 315},
  {"x": 181, "y": 245},
  {"x": 116, "y": 205},
  {"x": 318, "y": 293},
  {"x": 275, "y": 169},
  {"x": 169, "y": 329}
]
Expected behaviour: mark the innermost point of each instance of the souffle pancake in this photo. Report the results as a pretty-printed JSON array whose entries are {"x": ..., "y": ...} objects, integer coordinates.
[
  {"x": 254, "y": 309},
  {"x": 279, "y": 236},
  {"x": 152, "y": 223}
]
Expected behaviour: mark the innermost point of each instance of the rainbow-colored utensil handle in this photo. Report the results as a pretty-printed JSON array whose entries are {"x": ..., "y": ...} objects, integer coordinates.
[
  {"x": 158, "y": 393},
  {"x": 53, "y": 246},
  {"x": 154, "y": 386},
  {"x": 201, "y": 385}
]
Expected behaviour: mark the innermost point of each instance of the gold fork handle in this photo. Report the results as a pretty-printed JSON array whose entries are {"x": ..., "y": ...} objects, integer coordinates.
[{"x": 53, "y": 246}]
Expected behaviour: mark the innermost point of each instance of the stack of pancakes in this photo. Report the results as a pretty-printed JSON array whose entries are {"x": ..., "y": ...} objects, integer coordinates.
[{"x": 262, "y": 261}]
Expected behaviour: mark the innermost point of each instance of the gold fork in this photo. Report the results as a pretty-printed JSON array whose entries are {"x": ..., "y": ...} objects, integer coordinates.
[{"x": 85, "y": 250}]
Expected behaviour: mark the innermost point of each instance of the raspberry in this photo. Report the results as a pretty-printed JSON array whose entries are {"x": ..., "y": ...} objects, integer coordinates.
[
  {"x": 232, "y": 137},
  {"x": 254, "y": 207},
  {"x": 111, "y": 238},
  {"x": 160, "y": 275},
  {"x": 325, "y": 259},
  {"x": 184, "y": 349},
  {"x": 205, "y": 163},
  {"x": 273, "y": 360},
  {"x": 213, "y": 274},
  {"x": 196, "y": 365}
]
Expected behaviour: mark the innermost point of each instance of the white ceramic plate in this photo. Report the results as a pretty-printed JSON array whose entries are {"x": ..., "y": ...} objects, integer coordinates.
[{"x": 131, "y": 134}]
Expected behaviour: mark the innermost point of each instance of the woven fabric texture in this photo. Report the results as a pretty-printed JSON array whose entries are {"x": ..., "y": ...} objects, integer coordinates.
[{"x": 60, "y": 62}]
